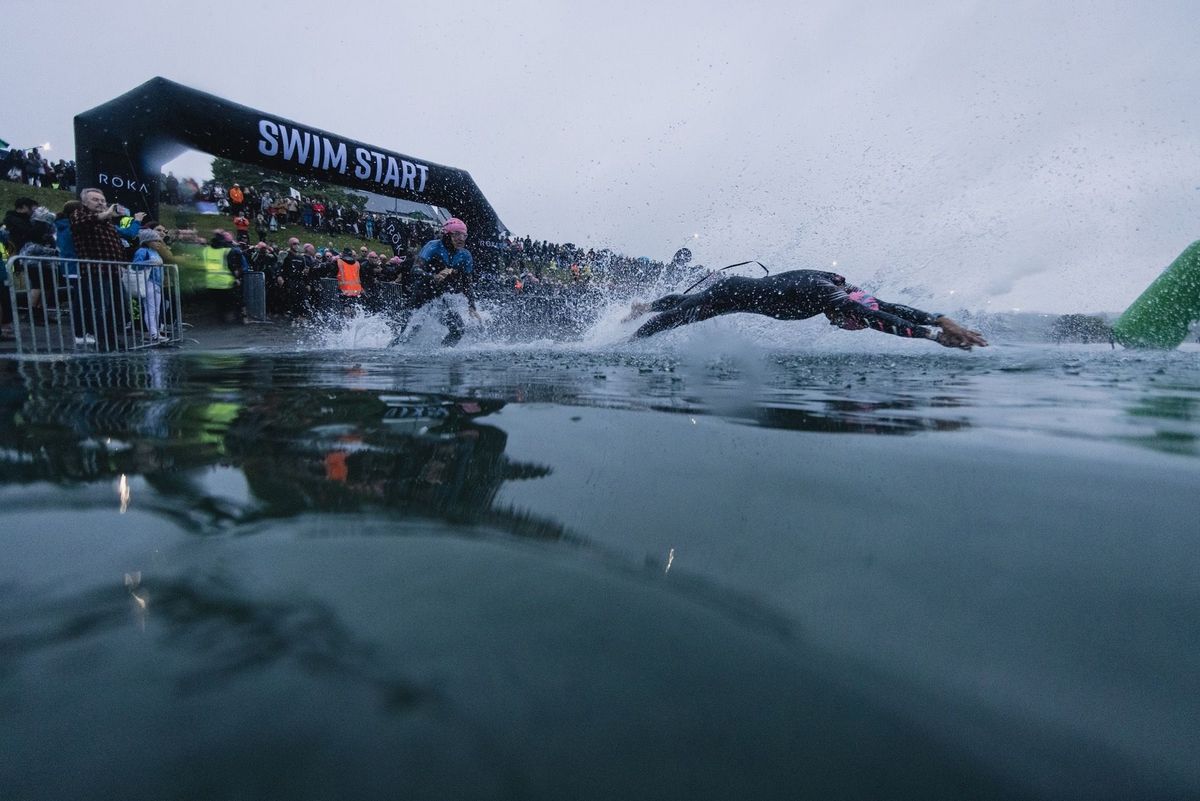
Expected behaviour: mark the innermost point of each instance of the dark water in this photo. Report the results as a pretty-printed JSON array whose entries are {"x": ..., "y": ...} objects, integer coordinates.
[{"x": 610, "y": 574}]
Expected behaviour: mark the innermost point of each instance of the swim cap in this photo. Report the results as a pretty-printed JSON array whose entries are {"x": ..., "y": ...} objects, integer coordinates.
[{"x": 454, "y": 226}]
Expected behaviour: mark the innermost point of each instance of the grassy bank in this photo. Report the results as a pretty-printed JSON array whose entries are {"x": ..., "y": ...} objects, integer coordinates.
[{"x": 53, "y": 199}]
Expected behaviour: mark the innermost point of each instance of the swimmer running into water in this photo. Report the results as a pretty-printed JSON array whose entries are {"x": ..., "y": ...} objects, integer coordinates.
[
  {"x": 443, "y": 266},
  {"x": 798, "y": 295}
]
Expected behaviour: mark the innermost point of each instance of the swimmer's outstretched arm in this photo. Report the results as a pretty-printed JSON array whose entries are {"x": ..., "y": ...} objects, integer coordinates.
[
  {"x": 905, "y": 321},
  {"x": 954, "y": 335}
]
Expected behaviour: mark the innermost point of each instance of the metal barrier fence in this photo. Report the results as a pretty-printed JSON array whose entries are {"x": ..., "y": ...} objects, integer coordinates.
[{"x": 83, "y": 305}]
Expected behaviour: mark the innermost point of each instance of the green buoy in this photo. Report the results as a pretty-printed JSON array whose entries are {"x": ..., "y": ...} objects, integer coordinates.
[{"x": 1160, "y": 317}]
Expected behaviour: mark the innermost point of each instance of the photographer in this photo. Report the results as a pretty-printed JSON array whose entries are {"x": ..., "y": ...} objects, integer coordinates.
[{"x": 94, "y": 234}]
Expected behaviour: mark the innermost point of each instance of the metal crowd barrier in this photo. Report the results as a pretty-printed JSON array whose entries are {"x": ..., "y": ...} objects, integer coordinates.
[
  {"x": 254, "y": 296},
  {"x": 85, "y": 305}
]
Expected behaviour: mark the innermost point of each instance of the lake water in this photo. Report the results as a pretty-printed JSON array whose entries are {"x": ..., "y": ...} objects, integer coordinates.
[{"x": 865, "y": 569}]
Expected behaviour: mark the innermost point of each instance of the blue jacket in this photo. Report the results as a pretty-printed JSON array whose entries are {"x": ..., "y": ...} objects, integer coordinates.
[
  {"x": 128, "y": 228},
  {"x": 148, "y": 258},
  {"x": 66, "y": 247}
]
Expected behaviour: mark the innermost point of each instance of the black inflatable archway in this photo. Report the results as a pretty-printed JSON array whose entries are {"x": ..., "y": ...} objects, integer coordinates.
[{"x": 120, "y": 147}]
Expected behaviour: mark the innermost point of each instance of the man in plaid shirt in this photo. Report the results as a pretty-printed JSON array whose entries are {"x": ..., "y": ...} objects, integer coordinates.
[{"x": 95, "y": 237}]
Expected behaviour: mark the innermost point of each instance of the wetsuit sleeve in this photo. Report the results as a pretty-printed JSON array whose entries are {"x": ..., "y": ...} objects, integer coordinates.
[
  {"x": 427, "y": 255},
  {"x": 908, "y": 313},
  {"x": 881, "y": 320}
]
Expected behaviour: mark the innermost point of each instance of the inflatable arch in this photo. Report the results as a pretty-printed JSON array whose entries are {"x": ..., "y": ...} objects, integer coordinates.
[
  {"x": 121, "y": 146},
  {"x": 1162, "y": 315}
]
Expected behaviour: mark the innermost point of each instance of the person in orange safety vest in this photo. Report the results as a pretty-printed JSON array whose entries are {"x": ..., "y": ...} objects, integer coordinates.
[{"x": 348, "y": 276}]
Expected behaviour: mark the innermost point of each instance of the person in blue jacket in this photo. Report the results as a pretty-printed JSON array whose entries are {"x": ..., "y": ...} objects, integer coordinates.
[
  {"x": 147, "y": 272},
  {"x": 69, "y": 267},
  {"x": 443, "y": 266}
]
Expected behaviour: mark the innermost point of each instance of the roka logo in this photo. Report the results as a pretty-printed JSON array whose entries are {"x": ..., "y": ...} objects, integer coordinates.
[{"x": 121, "y": 182}]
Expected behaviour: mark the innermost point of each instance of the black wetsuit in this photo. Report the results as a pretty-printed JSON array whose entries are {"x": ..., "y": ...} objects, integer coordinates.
[{"x": 795, "y": 295}]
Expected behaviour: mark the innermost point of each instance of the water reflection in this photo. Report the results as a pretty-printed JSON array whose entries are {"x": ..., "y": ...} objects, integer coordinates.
[
  {"x": 221, "y": 626},
  {"x": 423, "y": 455},
  {"x": 305, "y": 442},
  {"x": 1172, "y": 418},
  {"x": 300, "y": 448},
  {"x": 854, "y": 417}
]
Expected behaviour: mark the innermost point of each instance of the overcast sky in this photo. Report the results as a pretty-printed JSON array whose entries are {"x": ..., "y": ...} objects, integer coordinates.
[{"x": 1038, "y": 155}]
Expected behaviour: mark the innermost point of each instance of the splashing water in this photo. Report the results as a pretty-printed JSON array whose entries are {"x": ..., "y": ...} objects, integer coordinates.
[{"x": 593, "y": 317}]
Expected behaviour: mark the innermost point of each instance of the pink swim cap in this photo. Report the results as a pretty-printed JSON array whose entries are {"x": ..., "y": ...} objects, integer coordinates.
[{"x": 454, "y": 226}]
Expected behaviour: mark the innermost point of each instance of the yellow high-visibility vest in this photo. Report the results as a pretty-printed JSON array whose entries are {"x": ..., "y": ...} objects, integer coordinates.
[{"x": 216, "y": 274}]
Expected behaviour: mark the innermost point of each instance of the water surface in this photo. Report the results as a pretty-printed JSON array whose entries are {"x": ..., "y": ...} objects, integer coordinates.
[{"x": 565, "y": 572}]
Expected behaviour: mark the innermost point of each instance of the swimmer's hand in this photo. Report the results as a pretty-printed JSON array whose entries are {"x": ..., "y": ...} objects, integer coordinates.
[
  {"x": 442, "y": 275},
  {"x": 951, "y": 341},
  {"x": 954, "y": 335}
]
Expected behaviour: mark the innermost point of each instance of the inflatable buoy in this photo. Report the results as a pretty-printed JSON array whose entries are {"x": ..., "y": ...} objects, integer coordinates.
[{"x": 1161, "y": 315}]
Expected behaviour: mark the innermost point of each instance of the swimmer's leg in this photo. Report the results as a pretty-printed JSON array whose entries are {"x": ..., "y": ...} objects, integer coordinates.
[
  {"x": 662, "y": 304},
  {"x": 401, "y": 324},
  {"x": 636, "y": 310},
  {"x": 454, "y": 322},
  {"x": 693, "y": 310}
]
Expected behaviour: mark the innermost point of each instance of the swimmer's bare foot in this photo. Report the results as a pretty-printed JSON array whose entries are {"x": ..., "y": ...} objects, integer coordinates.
[{"x": 636, "y": 310}]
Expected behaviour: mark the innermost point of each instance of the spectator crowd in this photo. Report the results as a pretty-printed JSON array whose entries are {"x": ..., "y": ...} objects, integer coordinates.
[
  {"x": 285, "y": 227},
  {"x": 281, "y": 220},
  {"x": 92, "y": 262},
  {"x": 33, "y": 169}
]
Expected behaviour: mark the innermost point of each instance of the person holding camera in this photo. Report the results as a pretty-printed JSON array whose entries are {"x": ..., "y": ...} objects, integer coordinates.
[{"x": 94, "y": 234}]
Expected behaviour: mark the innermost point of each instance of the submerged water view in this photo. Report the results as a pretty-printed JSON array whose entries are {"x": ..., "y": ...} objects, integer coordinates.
[{"x": 619, "y": 572}]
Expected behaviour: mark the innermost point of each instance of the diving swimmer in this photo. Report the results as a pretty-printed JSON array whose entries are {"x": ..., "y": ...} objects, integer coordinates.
[{"x": 798, "y": 295}]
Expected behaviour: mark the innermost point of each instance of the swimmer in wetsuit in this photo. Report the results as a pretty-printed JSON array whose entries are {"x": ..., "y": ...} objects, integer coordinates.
[
  {"x": 443, "y": 266},
  {"x": 798, "y": 295}
]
